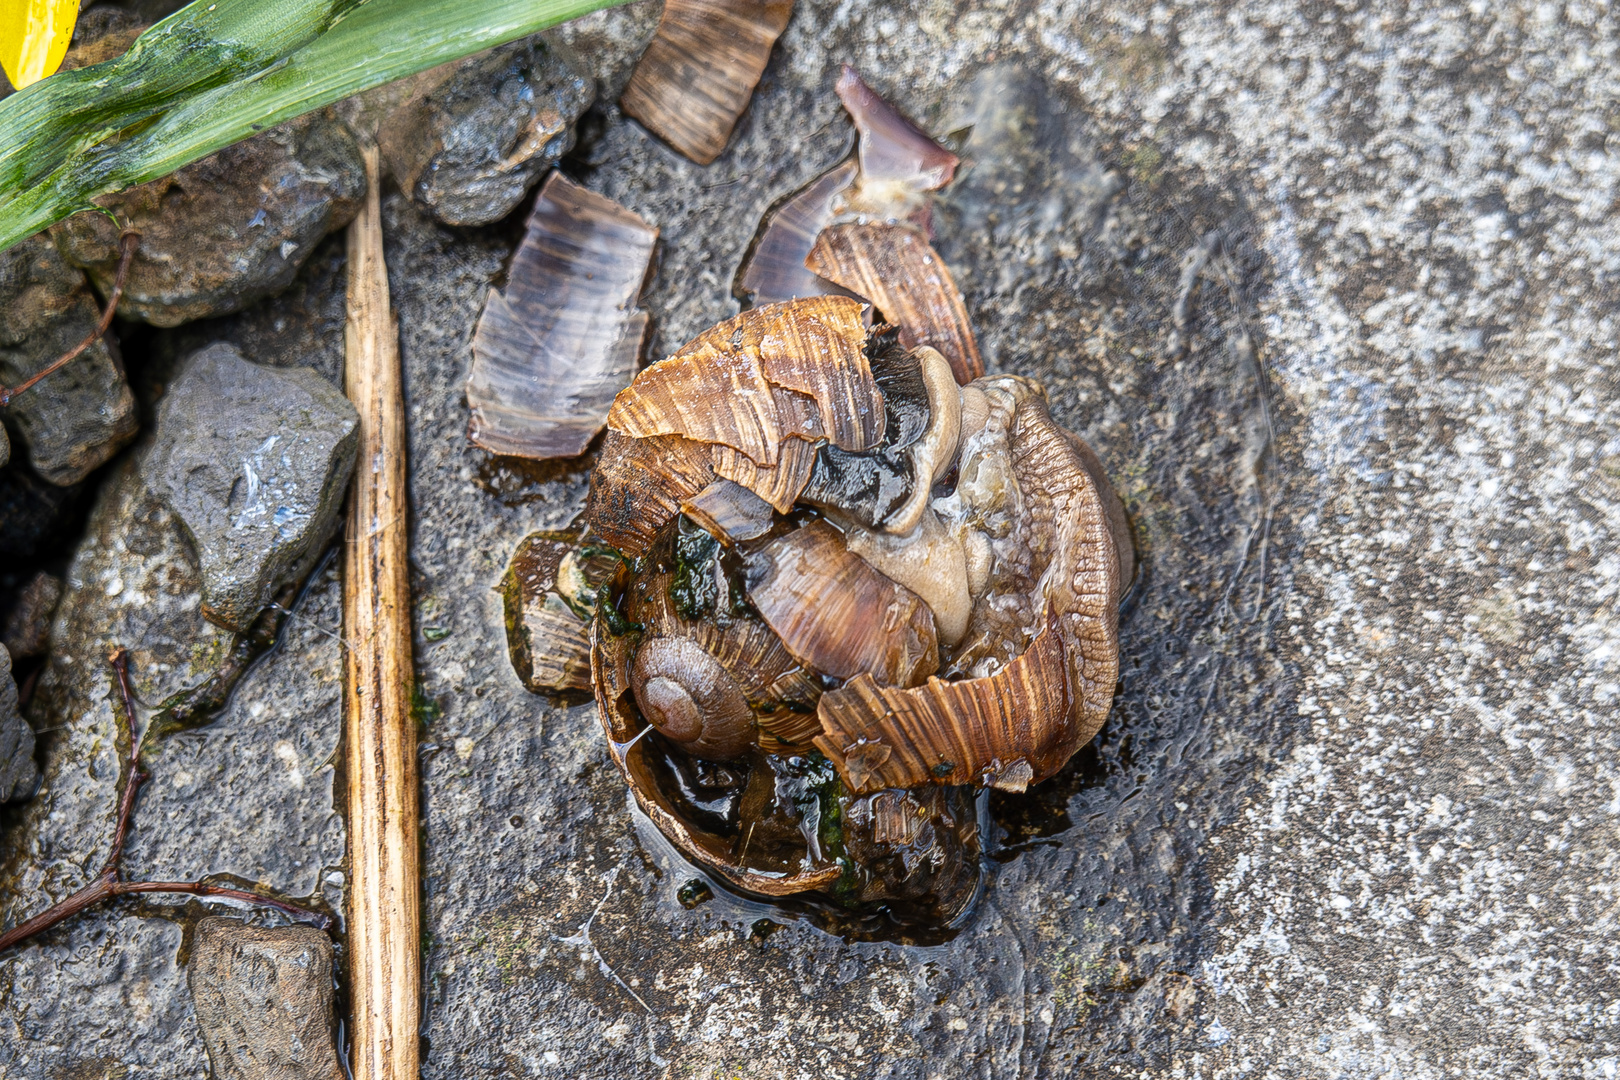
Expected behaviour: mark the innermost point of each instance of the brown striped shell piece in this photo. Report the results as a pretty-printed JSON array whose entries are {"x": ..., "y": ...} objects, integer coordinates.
[
  {"x": 552, "y": 350},
  {"x": 547, "y": 586},
  {"x": 896, "y": 268},
  {"x": 729, "y": 512},
  {"x": 1006, "y": 730},
  {"x": 838, "y": 615},
  {"x": 748, "y": 401},
  {"x": 790, "y": 369},
  {"x": 696, "y": 76},
  {"x": 774, "y": 270}
]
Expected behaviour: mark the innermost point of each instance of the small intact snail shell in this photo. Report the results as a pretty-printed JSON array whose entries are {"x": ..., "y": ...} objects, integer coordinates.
[{"x": 693, "y": 701}]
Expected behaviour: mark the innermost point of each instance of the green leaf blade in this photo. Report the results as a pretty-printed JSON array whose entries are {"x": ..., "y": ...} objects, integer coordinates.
[{"x": 209, "y": 78}]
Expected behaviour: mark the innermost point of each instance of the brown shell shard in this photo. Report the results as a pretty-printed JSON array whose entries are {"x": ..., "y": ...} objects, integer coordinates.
[
  {"x": 697, "y": 75},
  {"x": 1119, "y": 524},
  {"x": 549, "y": 643},
  {"x": 838, "y": 615},
  {"x": 639, "y": 485},
  {"x": 780, "y": 486},
  {"x": 729, "y": 512},
  {"x": 552, "y": 351},
  {"x": 1008, "y": 730},
  {"x": 725, "y": 386},
  {"x": 892, "y": 148},
  {"x": 774, "y": 267},
  {"x": 791, "y": 728},
  {"x": 895, "y": 268}
]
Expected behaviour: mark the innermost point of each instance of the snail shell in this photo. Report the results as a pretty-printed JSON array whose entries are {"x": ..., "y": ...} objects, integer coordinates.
[
  {"x": 686, "y": 694},
  {"x": 636, "y": 759},
  {"x": 714, "y": 680}
]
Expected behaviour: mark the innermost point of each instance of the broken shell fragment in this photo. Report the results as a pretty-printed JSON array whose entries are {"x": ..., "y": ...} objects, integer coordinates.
[
  {"x": 894, "y": 267},
  {"x": 774, "y": 270},
  {"x": 894, "y": 166},
  {"x": 729, "y": 512},
  {"x": 748, "y": 401},
  {"x": 893, "y": 150},
  {"x": 552, "y": 351},
  {"x": 749, "y": 383},
  {"x": 549, "y": 595},
  {"x": 1007, "y": 730},
  {"x": 700, "y": 69},
  {"x": 838, "y": 615}
]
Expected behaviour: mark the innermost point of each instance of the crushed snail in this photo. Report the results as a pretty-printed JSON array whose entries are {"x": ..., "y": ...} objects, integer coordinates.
[
  {"x": 831, "y": 581},
  {"x": 842, "y": 591}
]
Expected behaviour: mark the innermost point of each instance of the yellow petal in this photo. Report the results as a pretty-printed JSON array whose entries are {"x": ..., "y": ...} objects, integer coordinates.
[{"x": 34, "y": 36}]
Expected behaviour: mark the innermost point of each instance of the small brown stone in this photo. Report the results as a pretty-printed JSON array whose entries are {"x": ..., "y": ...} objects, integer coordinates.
[
  {"x": 28, "y": 627},
  {"x": 264, "y": 1001}
]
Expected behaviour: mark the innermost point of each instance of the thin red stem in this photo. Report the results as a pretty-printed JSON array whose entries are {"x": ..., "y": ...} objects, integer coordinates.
[
  {"x": 88, "y": 896},
  {"x": 137, "y": 775},
  {"x": 202, "y": 888},
  {"x": 109, "y": 884},
  {"x": 126, "y": 251}
]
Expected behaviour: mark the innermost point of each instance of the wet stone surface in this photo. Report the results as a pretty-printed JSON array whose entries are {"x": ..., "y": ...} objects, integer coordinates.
[
  {"x": 472, "y": 138},
  {"x": 74, "y": 419},
  {"x": 1332, "y": 295},
  {"x": 248, "y": 796},
  {"x": 254, "y": 461}
]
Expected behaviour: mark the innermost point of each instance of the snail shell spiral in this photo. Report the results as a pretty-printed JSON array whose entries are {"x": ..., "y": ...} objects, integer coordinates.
[{"x": 691, "y": 699}]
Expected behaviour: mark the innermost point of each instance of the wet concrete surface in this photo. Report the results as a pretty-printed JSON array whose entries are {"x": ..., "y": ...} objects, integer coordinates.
[{"x": 1332, "y": 294}]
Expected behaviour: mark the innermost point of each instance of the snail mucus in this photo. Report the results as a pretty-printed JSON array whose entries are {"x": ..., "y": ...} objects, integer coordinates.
[{"x": 830, "y": 595}]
